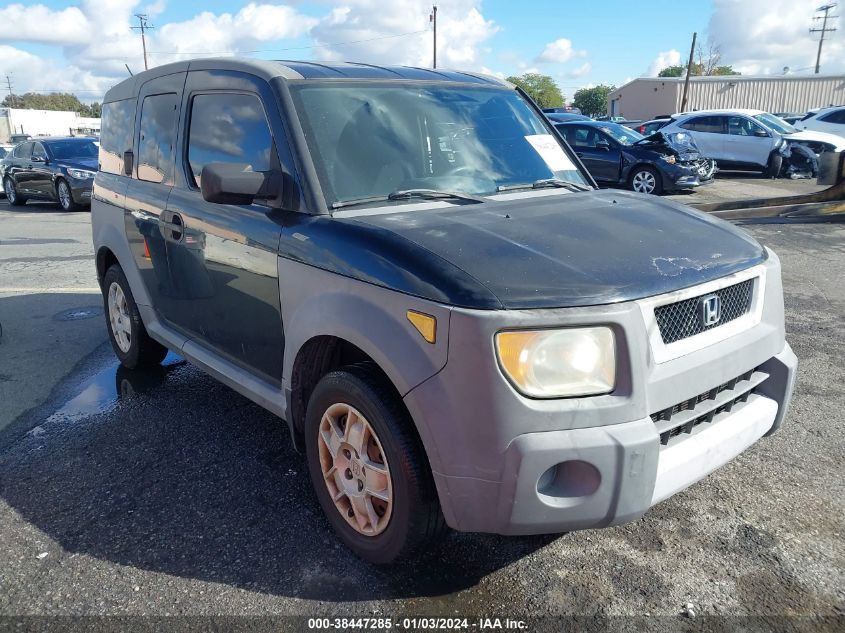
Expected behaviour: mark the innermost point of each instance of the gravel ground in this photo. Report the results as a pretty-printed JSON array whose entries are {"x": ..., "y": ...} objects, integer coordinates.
[{"x": 166, "y": 493}]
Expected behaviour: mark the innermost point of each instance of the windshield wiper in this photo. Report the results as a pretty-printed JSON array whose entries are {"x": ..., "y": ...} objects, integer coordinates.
[
  {"x": 408, "y": 194},
  {"x": 545, "y": 183}
]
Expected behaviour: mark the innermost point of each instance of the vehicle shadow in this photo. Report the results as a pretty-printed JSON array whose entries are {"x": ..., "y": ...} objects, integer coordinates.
[{"x": 168, "y": 470}]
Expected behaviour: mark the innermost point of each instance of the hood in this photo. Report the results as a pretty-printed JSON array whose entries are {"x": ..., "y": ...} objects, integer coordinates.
[
  {"x": 78, "y": 163},
  {"x": 576, "y": 249},
  {"x": 679, "y": 144},
  {"x": 821, "y": 137}
]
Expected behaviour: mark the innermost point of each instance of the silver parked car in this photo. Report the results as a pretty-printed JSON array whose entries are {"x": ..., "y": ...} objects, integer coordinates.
[{"x": 747, "y": 139}]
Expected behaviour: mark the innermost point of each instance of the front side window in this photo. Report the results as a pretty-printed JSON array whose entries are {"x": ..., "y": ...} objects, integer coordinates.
[
  {"x": 116, "y": 130},
  {"x": 740, "y": 126},
  {"x": 376, "y": 138},
  {"x": 229, "y": 128},
  {"x": 837, "y": 116},
  {"x": 38, "y": 151},
  {"x": 159, "y": 114}
]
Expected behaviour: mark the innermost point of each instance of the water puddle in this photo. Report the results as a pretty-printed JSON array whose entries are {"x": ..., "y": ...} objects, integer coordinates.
[{"x": 105, "y": 389}]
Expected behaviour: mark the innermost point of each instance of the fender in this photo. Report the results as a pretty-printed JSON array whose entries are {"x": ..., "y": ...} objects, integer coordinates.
[{"x": 371, "y": 317}]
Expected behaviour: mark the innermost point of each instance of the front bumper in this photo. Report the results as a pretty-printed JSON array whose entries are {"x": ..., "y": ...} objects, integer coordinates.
[
  {"x": 508, "y": 464},
  {"x": 81, "y": 189}
]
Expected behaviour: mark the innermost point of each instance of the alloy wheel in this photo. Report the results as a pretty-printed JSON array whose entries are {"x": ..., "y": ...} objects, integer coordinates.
[
  {"x": 355, "y": 469},
  {"x": 119, "y": 319},
  {"x": 643, "y": 182},
  {"x": 10, "y": 191},
  {"x": 64, "y": 195}
]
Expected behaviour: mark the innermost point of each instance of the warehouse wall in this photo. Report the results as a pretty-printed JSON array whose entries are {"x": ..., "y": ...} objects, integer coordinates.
[{"x": 648, "y": 97}]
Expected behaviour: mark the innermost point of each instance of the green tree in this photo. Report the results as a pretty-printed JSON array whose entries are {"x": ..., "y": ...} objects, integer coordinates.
[
  {"x": 541, "y": 88},
  {"x": 593, "y": 101},
  {"x": 53, "y": 101},
  {"x": 673, "y": 71}
]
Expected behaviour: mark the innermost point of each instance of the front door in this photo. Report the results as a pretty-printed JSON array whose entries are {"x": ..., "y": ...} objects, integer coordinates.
[
  {"x": 747, "y": 142},
  {"x": 40, "y": 174},
  {"x": 156, "y": 118},
  {"x": 225, "y": 261}
]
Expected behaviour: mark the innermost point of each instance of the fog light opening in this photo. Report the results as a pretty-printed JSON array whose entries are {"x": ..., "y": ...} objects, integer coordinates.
[{"x": 569, "y": 479}]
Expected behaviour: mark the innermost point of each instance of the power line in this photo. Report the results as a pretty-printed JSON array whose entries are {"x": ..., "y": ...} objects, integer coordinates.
[
  {"x": 142, "y": 27},
  {"x": 825, "y": 29}
]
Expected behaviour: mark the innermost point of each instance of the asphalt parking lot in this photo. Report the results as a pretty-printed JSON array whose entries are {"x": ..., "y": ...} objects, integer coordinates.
[{"x": 166, "y": 493}]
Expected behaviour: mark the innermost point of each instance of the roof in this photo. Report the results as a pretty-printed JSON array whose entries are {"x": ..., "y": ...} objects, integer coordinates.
[{"x": 297, "y": 70}]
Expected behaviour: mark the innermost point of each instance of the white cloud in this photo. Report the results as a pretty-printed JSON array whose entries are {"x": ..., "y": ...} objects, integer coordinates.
[
  {"x": 461, "y": 33},
  {"x": 38, "y": 23},
  {"x": 42, "y": 74},
  {"x": 663, "y": 60},
  {"x": 558, "y": 52},
  {"x": 581, "y": 71},
  {"x": 763, "y": 36}
]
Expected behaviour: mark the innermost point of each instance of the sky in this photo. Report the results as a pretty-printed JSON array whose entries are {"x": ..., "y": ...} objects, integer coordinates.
[{"x": 83, "y": 47}]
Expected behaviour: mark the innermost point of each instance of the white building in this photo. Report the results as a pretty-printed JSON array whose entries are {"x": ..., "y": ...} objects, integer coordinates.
[
  {"x": 45, "y": 123},
  {"x": 648, "y": 97}
]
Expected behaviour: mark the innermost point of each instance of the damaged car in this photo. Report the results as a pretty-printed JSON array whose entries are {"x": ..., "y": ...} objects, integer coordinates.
[
  {"x": 617, "y": 155},
  {"x": 749, "y": 139}
]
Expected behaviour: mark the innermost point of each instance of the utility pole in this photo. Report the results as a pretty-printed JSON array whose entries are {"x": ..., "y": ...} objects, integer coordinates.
[
  {"x": 689, "y": 70},
  {"x": 433, "y": 19},
  {"x": 11, "y": 94},
  {"x": 826, "y": 8},
  {"x": 143, "y": 27}
]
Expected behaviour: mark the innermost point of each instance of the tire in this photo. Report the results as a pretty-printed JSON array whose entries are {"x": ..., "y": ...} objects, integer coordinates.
[
  {"x": 774, "y": 166},
  {"x": 136, "y": 349},
  {"x": 64, "y": 196},
  {"x": 11, "y": 190},
  {"x": 412, "y": 518},
  {"x": 646, "y": 180}
]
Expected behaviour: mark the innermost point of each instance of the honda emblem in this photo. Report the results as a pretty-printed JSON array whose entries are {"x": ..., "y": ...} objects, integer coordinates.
[{"x": 711, "y": 310}]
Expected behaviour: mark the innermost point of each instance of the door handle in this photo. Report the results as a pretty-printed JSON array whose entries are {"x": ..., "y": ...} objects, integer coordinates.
[{"x": 174, "y": 227}]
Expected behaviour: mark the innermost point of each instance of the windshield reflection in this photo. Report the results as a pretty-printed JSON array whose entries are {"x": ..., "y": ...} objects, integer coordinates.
[{"x": 370, "y": 140}]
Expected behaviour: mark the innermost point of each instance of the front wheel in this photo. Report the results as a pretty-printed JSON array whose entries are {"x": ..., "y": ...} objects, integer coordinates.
[
  {"x": 129, "y": 339},
  {"x": 65, "y": 197},
  {"x": 368, "y": 467},
  {"x": 12, "y": 193},
  {"x": 646, "y": 180}
]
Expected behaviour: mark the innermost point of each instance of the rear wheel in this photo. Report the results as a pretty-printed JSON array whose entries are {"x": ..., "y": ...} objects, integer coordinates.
[
  {"x": 12, "y": 193},
  {"x": 646, "y": 180},
  {"x": 368, "y": 467},
  {"x": 129, "y": 338}
]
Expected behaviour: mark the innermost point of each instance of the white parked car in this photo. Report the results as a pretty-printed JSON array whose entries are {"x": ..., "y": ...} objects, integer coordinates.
[
  {"x": 830, "y": 120},
  {"x": 747, "y": 139}
]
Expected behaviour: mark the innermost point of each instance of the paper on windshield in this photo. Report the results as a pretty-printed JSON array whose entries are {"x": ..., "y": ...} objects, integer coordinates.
[{"x": 551, "y": 152}]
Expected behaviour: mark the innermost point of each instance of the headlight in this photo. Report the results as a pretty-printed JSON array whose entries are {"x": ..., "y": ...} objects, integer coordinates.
[
  {"x": 81, "y": 174},
  {"x": 559, "y": 363},
  {"x": 669, "y": 159}
]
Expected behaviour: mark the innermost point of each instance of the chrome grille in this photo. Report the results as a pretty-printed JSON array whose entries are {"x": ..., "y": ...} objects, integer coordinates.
[
  {"x": 683, "y": 319},
  {"x": 683, "y": 417}
]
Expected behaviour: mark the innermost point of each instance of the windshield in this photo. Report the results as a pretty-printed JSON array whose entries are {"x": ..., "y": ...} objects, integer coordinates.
[
  {"x": 775, "y": 123},
  {"x": 624, "y": 135},
  {"x": 374, "y": 139},
  {"x": 82, "y": 148}
]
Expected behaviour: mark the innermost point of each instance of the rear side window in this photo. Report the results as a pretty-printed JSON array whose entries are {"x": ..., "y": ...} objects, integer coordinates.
[
  {"x": 708, "y": 124},
  {"x": 117, "y": 126},
  {"x": 158, "y": 134},
  {"x": 229, "y": 128},
  {"x": 24, "y": 150}
]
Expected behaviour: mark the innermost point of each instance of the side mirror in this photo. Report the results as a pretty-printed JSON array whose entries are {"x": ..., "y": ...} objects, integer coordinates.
[
  {"x": 38, "y": 159},
  {"x": 761, "y": 133},
  {"x": 603, "y": 146},
  {"x": 236, "y": 183}
]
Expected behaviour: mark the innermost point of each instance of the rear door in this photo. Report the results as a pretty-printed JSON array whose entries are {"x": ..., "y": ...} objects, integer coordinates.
[
  {"x": 708, "y": 132},
  {"x": 18, "y": 167},
  {"x": 156, "y": 119},
  {"x": 747, "y": 142},
  {"x": 223, "y": 257}
]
